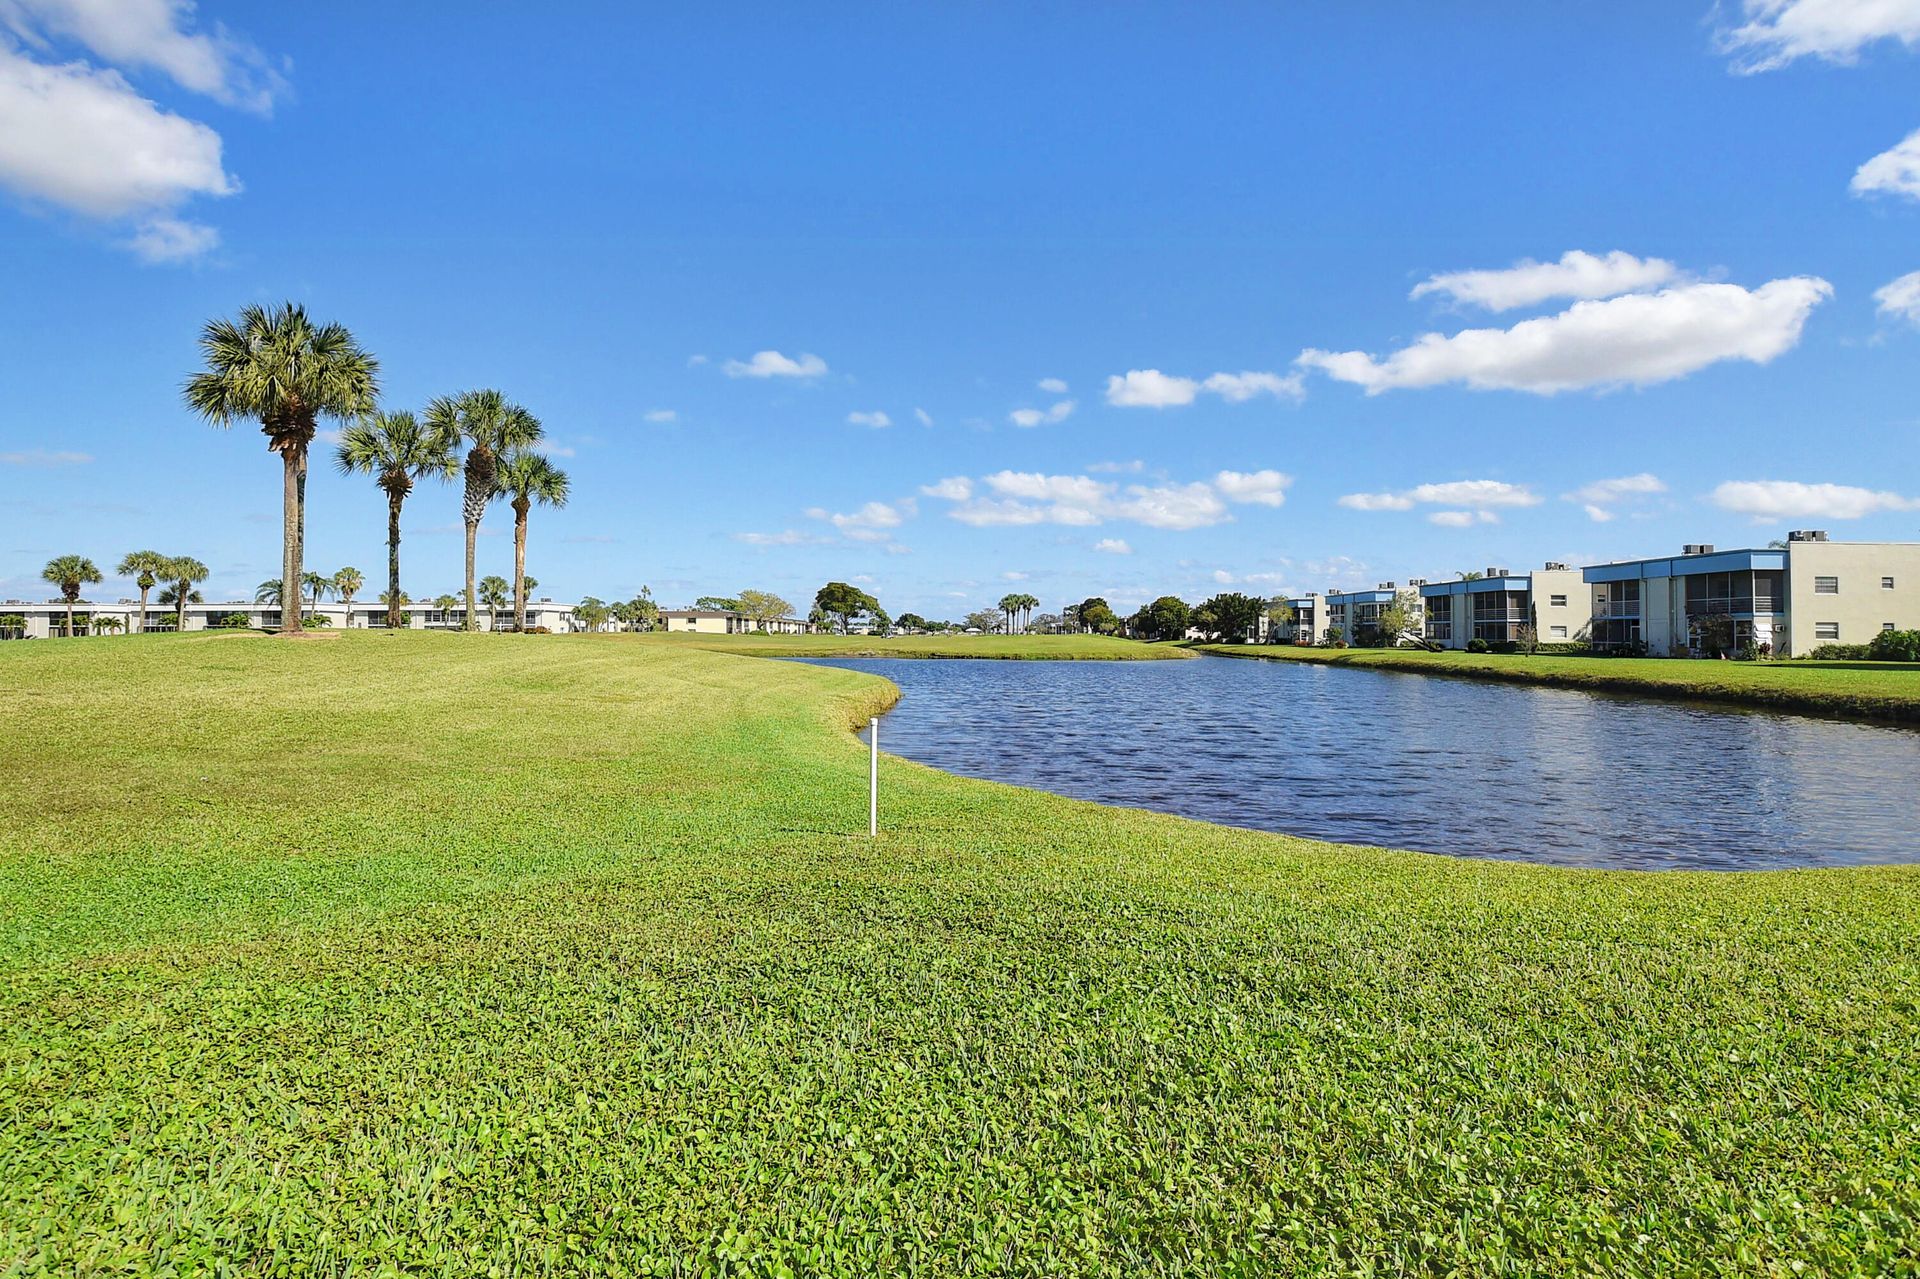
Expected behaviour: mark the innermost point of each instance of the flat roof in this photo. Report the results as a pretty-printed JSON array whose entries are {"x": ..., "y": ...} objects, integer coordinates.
[
  {"x": 1364, "y": 597},
  {"x": 1682, "y": 565},
  {"x": 1479, "y": 585}
]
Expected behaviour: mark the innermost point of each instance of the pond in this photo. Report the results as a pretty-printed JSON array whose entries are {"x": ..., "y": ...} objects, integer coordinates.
[{"x": 1413, "y": 761}]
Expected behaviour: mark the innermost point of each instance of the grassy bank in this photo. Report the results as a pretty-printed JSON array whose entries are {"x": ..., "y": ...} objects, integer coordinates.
[
  {"x": 466, "y": 954},
  {"x": 1878, "y": 689},
  {"x": 1017, "y": 647}
]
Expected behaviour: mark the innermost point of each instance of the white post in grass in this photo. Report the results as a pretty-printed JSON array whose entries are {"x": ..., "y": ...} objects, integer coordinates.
[{"x": 873, "y": 778}]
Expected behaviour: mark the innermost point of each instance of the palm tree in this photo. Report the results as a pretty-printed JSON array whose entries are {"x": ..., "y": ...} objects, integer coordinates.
[
  {"x": 107, "y": 622},
  {"x": 446, "y": 604},
  {"x": 183, "y": 571},
  {"x": 490, "y": 425},
  {"x": 275, "y": 365},
  {"x": 527, "y": 584},
  {"x": 1008, "y": 603},
  {"x": 144, "y": 568},
  {"x": 70, "y": 573},
  {"x": 346, "y": 584},
  {"x": 396, "y": 450},
  {"x": 527, "y": 477},
  {"x": 494, "y": 593},
  {"x": 318, "y": 584},
  {"x": 268, "y": 592}
]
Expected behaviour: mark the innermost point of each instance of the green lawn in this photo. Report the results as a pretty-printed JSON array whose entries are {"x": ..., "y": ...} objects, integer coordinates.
[
  {"x": 443, "y": 954},
  {"x": 1881, "y": 689},
  {"x": 1047, "y": 647}
]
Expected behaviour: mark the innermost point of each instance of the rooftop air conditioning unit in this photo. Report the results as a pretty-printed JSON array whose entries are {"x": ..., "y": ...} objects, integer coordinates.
[
  {"x": 1497, "y": 572},
  {"x": 1416, "y": 581},
  {"x": 1555, "y": 566},
  {"x": 1384, "y": 586},
  {"x": 1808, "y": 535},
  {"x": 1697, "y": 548}
]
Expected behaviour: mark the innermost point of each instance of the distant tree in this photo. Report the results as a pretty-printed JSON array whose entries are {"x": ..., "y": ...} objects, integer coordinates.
[
  {"x": 762, "y": 607},
  {"x": 913, "y": 622},
  {"x": 269, "y": 592},
  {"x": 1396, "y": 619},
  {"x": 1094, "y": 615},
  {"x": 106, "y": 622},
  {"x": 639, "y": 613},
  {"x": 184, "y": 572},
  {"x": 494, "y": 593},
  {"x": 879, "y": 623},
  {"x": 842, "y": 603},
  {"x": 1047, "y": 624},
  {"x": 1009, "y": 608},
  {"x": 316, "y": 585},
  {"x": 69, "y": 573},
  {"x": 490, "y": 426},
  {"x": 526, "y": 477},
  {"x": 1280, "y": 616},
  {"x": 12, "y": 625},
  {"x": 1470, "y": 575},
  {"x": 144, "y": 568},
  {"x": 446, "y": 604},
  {"x": 346, "y": 584},
  {"x": 1167, "y": 618},
  {"x": 277, "y": 367},
  {"x": 1234, "y": 617},
  {"x": 396, "y": 450},
  {"x": 719, "y": 603},
  {"x": 591, "y": 613},
  {"x": 527, "y": 584},
  {"x": 1334, "y": 636},
  {"x": 982, "y": 620},
  {"x": 395, "y": 603}
]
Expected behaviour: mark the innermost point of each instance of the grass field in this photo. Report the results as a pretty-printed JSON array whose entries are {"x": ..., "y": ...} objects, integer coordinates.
[
  {"x": 1882, "y": 690},
  {"x": 1017, "y": 647},
  {"x": 442, "y": 954}
]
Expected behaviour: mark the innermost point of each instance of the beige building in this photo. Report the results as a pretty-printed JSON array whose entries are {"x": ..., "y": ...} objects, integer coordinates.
[
  {"x": 1357, "y": 613},
  {"x": 47, "y": 619},
  {"x": 1789, "y": 599},
  {"x": 717, "y": 621},
  {"x": 1497, "y": 606}
]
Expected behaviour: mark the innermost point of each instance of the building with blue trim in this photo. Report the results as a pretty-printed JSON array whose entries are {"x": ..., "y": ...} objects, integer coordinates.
[{"x": 1499, "y": 606}]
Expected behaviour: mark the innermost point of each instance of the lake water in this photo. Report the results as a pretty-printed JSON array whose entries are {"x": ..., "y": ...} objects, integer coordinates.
[{"x": 1414, "y": 761}]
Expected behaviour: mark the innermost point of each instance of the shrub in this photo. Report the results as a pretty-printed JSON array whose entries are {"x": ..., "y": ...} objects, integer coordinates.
[
  {"x": 1569, "y": 648},
  {"x": 1840, "y": 653},
  {"x": 1477, "y": 645},
  {"x": 1895, "y": 646}
]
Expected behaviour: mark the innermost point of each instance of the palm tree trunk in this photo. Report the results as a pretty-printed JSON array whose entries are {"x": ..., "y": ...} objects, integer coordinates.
[
  {"x": 143, "y": 610},
  {"x": 473, "y": 531},
  {"x": 292, "y": 517},
  {"x": 393, "y": 560},
  {"x": 520, "y": 568},
  {"x": 69, "y": 634},
  {"x": 180, "y": 609}
]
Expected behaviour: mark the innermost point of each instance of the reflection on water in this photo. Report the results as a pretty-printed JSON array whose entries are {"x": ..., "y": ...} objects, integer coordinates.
[{"x": 1414, "y": 761}]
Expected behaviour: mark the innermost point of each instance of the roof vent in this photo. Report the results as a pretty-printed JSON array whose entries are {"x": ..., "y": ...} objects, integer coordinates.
[
  {"x": 1384, "y": 586},
  {"x": 1807, "y": 535},
  {"x": 1697, "y": 548},
  {"x": 1416, "y": 581},
  {"x": 1498, "y": 572},
  {"x": 1555, "y": 566}
]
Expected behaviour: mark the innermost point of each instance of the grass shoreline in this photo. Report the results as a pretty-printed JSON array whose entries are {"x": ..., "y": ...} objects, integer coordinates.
[
  {"x": 1027, "y": 648},
  {"x": 568, "y": 954},
  {"x": 1887, "y": 692}
]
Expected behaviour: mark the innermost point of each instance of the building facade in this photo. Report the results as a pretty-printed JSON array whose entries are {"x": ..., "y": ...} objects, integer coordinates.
[
  {"x": 1357, "y": 613},
  {"x": 716, "y": 621},
  {"x": 1307, "y": 624},
  {"x": 1786, "y": 600},
  {"x": 47, "y": 619},
  {"x": 1498, "y": 606}
]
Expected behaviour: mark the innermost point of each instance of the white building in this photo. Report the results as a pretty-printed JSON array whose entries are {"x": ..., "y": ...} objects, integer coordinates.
[
  {"x": 45, "y": 619},
  {"x": 719, "y": 621}
]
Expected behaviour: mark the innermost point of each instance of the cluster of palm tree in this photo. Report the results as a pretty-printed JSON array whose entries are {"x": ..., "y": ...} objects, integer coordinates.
[
  {"x": 175, "y": 574},
  {"x": 343, "y": 586},
  {"x": 274, "y": 366},
  {"x": 1018, "y": 610}
]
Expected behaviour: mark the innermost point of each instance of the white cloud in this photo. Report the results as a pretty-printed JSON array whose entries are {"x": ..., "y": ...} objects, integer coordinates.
[
  {"x": 1900, "y": 299},
  {"x": 1029, "y": 497},
  {"x": 1053, "y": 385},
  {"x": 923, "y": 417},
  {"x": 787, "y": 537},
  {"x": 1893, "y": 172},
  {"x": 1150, "y": 389},
  {"x": 873, "y": 522},
  {"x": 1113, "y": 546},
  {"x": 1237, "y": 388},
  {"x": 1480, "y": 496},
  {"x": 1264, "y": 488},
  {"x": 173, "y": 240},
  {"x": 1118, "y": 468},
  {"x": 1462, "y": 519},
  {"x": 1777, "y": 32},
  {"x": 1598, "y": 514},
  {"x": 1376, "y": 502},
  {"x": 875, "y": 419},
  {"x": 1013, "y": 575},
  {"x": 1767, "y": 500},
  {"x": 1606, "y": 491},
  {"x": 152, "y": 33},
  {"x": 661, "y": 415},
  {"x": 1526, "y": 282},
  {"x": 44, "y": 457},
  {"x": 1035, "y": 417},
  {"x": 81, "y": 138},
  {"x": 1637, "y": 339},
  {"x": 955, "y": 488},
  {"x": 1171, "y": 506},
  {"x": 773, "y": 364}
]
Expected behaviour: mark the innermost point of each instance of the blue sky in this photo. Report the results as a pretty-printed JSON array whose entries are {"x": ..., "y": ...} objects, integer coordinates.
[{"x": 610, "y": 212}]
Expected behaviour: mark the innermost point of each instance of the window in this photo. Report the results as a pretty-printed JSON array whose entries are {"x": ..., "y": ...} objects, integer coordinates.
[
  {"x": 1558, "y": 632},
  {"x": 1557, "y": 601},
  {"x": 1886, "y": 626},
  {"x": 1886, "y": 583},
  {"x": 1826, "y": 630},
  {"x": 1826, "y": 586}
]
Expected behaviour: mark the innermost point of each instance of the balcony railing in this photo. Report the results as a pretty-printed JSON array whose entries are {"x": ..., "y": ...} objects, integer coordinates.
[
  {"x": 1730, "y": 604},
  {"x": 1623, "y": 609}
]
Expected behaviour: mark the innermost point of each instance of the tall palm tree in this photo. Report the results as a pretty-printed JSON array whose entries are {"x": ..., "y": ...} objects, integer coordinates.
[
  {"x": 396, "y": 450},
  {"x": 183, "y": 571},
  {"x": 490, "y": 425},
  {"x": 446, "y": 604},
  {"x": 269, "y": 592},
  {"x": 1009, "y": 605},
  {"x": 276, "y": 366},
  {"x": 494, "y": 593},
  {"x": 527, "y": 584},
  {"x": 144, "y": 568},
  {"x": 346, "y": 584},
  {"x": 70, "y": 573},
  {"x": 527, "y": 477}
]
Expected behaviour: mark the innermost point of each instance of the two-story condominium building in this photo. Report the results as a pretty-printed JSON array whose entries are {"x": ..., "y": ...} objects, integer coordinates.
[
  {"x": 1497, "y": 606},
  {"x": 1357, "y": 613},
  {"x": 1789, "y": 599},
  {"x": 1307, "y": 622},
  {"x": 45, "y": 619},
  {"x": 717, "y": 621}
]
